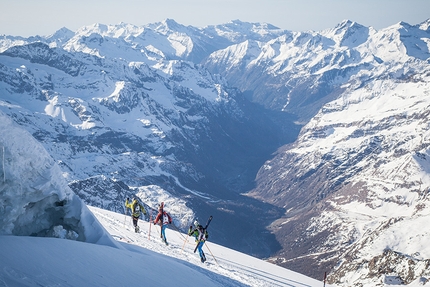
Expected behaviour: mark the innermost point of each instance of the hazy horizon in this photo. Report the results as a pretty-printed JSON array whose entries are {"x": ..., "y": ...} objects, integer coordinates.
[{"x": 29, "y": 18}]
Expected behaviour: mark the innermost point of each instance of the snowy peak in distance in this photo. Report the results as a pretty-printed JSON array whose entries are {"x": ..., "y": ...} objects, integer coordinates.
[
  {"x": 237, "y": 31},
  {"x": 413, "y": 40},
  {"x": 348, "y": 33},
  {"x": 168, "y": 26},
  {"x": 164, "y": 40},
  {"x": 61, "y": 36},
  {"x": 425, "y": 25}
]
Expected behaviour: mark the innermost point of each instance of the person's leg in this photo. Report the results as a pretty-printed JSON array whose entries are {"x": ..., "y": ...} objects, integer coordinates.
[
  {"x": 163, "y": 232},
  {"x": 202, "y": 254},
  {"x": 136, "y": 227}
]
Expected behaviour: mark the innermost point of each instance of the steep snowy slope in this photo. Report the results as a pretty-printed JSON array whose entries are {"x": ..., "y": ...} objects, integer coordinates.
[
  {"x": 35, "y": 261},
  {"x": 236, "y": 266},
  {"x": 368, "y": 143},
  {"x": 356, "y": 176}
]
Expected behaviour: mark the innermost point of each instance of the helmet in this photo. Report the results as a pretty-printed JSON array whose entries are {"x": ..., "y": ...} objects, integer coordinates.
[{"x": 196, "y": 223}]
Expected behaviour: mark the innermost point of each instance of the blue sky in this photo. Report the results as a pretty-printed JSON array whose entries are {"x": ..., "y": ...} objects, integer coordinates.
[{"x": 44, "y": 17}]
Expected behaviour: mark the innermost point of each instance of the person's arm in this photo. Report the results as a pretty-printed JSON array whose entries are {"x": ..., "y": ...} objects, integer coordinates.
[
  {"x": 142, "y": 208},
  {"x": 192, "y": 232},
  {"x": 157, "y": 218},
  {"x": 127, "y": 205}
]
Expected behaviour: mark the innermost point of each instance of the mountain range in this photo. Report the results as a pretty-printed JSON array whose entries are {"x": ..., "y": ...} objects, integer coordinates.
[
  {"x": 310, "y": 148},
  {"x": 48, "y": 236}
]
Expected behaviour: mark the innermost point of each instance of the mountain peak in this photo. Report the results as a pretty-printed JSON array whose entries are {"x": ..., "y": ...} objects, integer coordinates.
[
  {"x": 63, "y": 35},
  {"x": 404, "y": 24},
  {"x": 344, "y": 23},
  {"x": 93, "y": 28},
  {"x": 171, "y": 24},
  {"x": 425, "y": 25},
  {"x": 254, "y": 26},
  {"x": 348, "y": 33},
  {"x": 347, "y": 24}
]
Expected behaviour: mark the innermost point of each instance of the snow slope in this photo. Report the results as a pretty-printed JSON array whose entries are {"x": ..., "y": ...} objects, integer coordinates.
[
  {"x": 143, "y": 260},
  {"x": 48, "y": 237}
]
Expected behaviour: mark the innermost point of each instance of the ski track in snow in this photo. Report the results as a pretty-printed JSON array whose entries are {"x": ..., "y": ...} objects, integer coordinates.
[{"x": 229, "y": 263}]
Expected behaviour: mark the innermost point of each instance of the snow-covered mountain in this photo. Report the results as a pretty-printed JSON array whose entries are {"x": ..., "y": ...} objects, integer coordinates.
[
  {"x": 118, "y": 119},
  {"x": 300, "y": 71},
  {"x": 48, "y": 236},
  {"x": 192, "y": 114},
  {"x": 358, "y": 173}
]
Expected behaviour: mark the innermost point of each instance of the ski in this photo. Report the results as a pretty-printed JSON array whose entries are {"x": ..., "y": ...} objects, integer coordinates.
[
  {"x": 195, "y": 249},
  {"x": 209, "y": 221}
]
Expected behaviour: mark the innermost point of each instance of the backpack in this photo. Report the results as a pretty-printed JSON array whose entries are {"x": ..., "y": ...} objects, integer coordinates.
[
  {"x": 165, "y": 218},
  {"x": 137, "y": 207},
  {"x": 203, "y": 233}
]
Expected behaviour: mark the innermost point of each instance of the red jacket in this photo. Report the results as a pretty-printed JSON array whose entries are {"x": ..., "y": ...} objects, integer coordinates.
[{"x": 163, "y": 217}]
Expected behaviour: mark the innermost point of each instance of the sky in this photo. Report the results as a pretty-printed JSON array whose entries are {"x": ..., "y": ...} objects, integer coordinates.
[{"x": 44, "y": 17}]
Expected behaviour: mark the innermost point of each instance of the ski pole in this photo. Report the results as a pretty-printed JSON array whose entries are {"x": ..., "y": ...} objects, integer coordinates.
[
  {"x": 158, "y": 231},
  {"x": 177, "y": 229},
  {"x": 150, "y": 221},
  {"x": 211, "y": 253},
  {"x": 185, "y": 241},
  {"x": 125, "y": 214}
]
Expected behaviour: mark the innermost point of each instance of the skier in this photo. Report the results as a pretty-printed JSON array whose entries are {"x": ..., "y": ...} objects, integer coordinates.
[
  {"x": 136, "y": 209},
  {"x": 164, "y": 219},
  {"x": 201, "y": 235}
]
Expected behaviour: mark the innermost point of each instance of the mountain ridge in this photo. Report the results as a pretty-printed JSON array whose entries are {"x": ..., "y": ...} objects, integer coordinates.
[{"x": 208, "y": 117}]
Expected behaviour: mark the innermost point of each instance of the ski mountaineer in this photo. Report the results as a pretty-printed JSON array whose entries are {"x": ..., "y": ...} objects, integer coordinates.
[
  {"x": 201, "y": 235},
  {"x": 136, "y": 209},
  {"x": 164, "y": 219}
]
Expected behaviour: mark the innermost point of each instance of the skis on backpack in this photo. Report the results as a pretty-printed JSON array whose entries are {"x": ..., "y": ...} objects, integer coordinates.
[
  {"x": 207, "y": 225},
  {"x": 209, "y": 221}
]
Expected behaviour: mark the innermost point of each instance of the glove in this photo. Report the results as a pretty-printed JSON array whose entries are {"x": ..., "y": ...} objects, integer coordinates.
[{"x": 128, "y": 199}]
